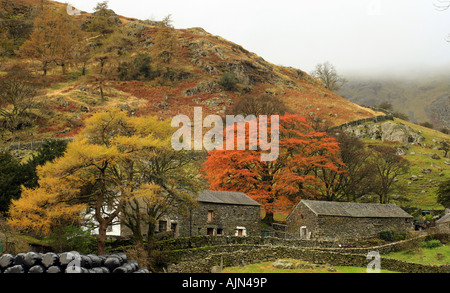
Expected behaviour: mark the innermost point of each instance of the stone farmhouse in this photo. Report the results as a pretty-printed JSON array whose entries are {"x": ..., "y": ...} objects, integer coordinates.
[
  {"x": 217, "y": 213},
  {"x": 341, "y": 221}
]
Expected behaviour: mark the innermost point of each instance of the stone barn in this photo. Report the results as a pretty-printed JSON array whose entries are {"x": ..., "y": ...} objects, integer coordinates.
[
  {"x": 217, "y": 213},
  {"x": 343, "y": 221}
]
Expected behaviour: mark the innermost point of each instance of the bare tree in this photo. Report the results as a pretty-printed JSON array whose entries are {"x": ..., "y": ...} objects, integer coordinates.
[
  {"x": 327, "y": 73},
  {"x": 388, "y": 166},
  {"x": 17, "y": 96}
]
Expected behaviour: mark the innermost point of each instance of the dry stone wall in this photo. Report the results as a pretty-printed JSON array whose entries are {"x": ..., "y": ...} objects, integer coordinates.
[{"x": 265, "y": 254}]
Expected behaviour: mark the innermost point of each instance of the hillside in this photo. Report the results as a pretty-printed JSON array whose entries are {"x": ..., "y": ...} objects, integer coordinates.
[
  {"x": 421, "y": 147},
  {"x": 147, "y": 68},
  {"x": 191, "y": 78},
  {"x": 423, "y": 99}
]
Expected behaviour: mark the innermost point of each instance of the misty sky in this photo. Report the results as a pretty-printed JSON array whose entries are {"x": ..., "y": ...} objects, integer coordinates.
[{"x": 357, "y": 36}]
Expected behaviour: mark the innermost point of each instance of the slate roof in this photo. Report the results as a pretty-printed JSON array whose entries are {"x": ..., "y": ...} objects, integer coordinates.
[
  {"x": 356, "y": 210},
  {"x": 226, "y": 197},
  {"x": 444, "y": 219}
]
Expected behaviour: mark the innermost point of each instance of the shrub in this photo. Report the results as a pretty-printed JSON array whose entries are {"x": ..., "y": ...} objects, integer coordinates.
[
  {"x": 400, "y": 235},
  {"x": 430, "y": 244},
  {"x": 72, "y": 238},
  {"x": 387, "y": 235},
  {"x": 137, "y": 68},
  {"x": 228, "y": 81}
]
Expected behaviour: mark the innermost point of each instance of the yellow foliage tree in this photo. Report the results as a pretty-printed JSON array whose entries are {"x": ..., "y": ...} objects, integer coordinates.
[{"x": 101, "y": 168}]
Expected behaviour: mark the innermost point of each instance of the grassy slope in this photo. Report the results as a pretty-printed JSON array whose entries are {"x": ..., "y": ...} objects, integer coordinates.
[
  {"x": 435, "y": 256},
  {"x": 420, "y": 158}
]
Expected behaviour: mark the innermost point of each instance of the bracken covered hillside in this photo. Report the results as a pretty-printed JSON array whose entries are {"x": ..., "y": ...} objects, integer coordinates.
[{"x": 185, "y": 69}]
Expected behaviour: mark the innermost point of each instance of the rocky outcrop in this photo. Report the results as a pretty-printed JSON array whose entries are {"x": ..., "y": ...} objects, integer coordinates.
[
  {"x": 391, "y": 131},
  {"x": 387, "y": 131}
]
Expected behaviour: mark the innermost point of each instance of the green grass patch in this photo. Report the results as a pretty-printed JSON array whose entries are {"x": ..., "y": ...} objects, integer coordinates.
[
  {"x": 428, "y": 256},
  {"x": 266, "y": 267}
]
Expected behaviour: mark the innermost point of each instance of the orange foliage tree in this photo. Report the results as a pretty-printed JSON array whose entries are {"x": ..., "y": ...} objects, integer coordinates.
[{"x": 277, "y": 185}]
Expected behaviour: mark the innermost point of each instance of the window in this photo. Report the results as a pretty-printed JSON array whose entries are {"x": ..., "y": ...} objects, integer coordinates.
[
  {"x": 210, "y": 216},
  {"x": 219, "y": 231},
  {"x": 174, "y": 228},
  {"x": 210, "y": 231},
  {"x": 162, "y": 227},
  {"x": 240, "y": 231}
]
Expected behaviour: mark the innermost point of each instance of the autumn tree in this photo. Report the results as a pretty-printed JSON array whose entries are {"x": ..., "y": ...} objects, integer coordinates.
[
  {"x": 328, "y": 75},
  {"x": 99, "y": 170},
  {"x": 105, "y": 21},
  {"x": 354, "y": 175},
  {"x": 388, "y": 166},
  {"x": 277, "y": 185},
  {"x": 17, "y": 96},
  {"x": 174, "y": 179},
  {"x": 53, "y": 39},
  {"x": 165, "y": 41}
]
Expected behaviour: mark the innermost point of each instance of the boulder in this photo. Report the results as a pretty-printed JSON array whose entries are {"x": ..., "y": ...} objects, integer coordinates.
[
  {"x": 435, "y": 157},
  {"x": 399, "y": 132},
  {"x": 283, "y": 264}
]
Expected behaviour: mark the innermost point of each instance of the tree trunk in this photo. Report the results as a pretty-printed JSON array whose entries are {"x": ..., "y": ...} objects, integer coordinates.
[
  {"x": 44, "y": 68},
  {"x": 101, "y": 242},
  {"x": 102, "y": 95},
  {"x": 151, "y": 231},
  {"x": 268, "y": 218}
]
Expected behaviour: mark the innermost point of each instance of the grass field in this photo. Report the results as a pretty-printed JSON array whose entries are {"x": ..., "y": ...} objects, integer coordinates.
[
  {"x": 429, "y": 256},
  {"x": 266, "y": 267}
]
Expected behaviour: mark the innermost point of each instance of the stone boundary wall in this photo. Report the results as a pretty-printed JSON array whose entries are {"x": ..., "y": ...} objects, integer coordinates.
[
  {"x": 264, "y": 254},
  {"x": 379, "y": 118},
  {"x": 34, "y": 145},
  {"x": 202, "y": 241},
  {"x": 201, "y": 252}
]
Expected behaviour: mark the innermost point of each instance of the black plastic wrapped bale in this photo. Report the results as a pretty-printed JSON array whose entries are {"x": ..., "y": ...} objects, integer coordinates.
[
  {"x": 20, "y": 259},
  {"x": 97, "y": 270},
  {"x": 76, "y": 270},
  {"x": 50, "y": 259},
  {"x": 112, "y": 262},
  {"x": 66, "y": 257},
  {"x": 96, "y": 260},
  {"x": 32, "y": 259},
  {"x": 142, "y": 271},
  {"x": 86, "y": 262},
  {"x": 17, "y": 269},
  {"x": 54, "y": 270},
  {"x": 124, "y": 269},
  {"x": 6, "y": 260},
  {"x": 122, "y": 256},
  {"x": 37, "y": 269},
  {"x": 134, "y": 264}
]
